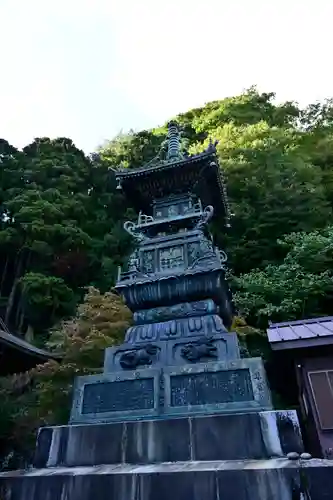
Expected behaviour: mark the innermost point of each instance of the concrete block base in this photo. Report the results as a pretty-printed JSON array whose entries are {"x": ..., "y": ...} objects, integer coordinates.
[
  {"x": 275, "y": 479},
  {"x": 258, "y": 436}
]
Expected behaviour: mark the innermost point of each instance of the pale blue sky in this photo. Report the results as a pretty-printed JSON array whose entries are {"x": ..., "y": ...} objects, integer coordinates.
[{"x": 88, "y": 68}]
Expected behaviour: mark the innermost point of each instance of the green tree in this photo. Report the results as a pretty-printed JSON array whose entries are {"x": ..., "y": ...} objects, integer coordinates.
[
  {"x": 273, "y": 190},
  {"x": 249, "y": 108},
  {"x": 317, "y": 121},
  {"x": 300, "y": 287},
  {"x": 133, "y": 149},
  {"x": 45, "y": 300},
  {"x": 62, "y": 215},
  {"x": 43, "y": 214},
  {"x": 42, "y": 396},
  {"x": 61, "y": 211},
  {"x": 268, "y": 153}
]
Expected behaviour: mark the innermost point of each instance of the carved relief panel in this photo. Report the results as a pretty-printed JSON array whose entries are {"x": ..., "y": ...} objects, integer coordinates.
[
  {"x": 171, "y": 257},
  {"x": 148, "y": 261},
  {"x": 173, "y": 207},
  {"x": 187, "y": 253}
]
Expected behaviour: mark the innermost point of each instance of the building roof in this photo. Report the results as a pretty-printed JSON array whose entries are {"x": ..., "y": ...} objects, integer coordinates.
[
  {"x": 13, "y": 341},
  {"x": 300, "y": 334},
  {"x": 18, "y": 355}
]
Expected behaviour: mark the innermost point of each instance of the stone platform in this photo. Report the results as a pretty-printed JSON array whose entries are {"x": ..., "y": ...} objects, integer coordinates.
[
  {"x": 205, "y": 458},
  {"x": 257, "y": 436},
  {"x": 275, "y": 479}
]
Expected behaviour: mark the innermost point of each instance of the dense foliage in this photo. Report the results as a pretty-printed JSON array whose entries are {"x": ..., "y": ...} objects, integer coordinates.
[
  {"x": 61, "y": 231},
  {"x": 300, "y": 286},
  {"x": 42, "y": 396},
  {"x": 61, "y": 215},
  {"x": 278, "y": 161}
]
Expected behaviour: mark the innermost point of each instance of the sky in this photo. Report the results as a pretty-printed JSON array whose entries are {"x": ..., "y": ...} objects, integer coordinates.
[{"x": 88, "y": 69}]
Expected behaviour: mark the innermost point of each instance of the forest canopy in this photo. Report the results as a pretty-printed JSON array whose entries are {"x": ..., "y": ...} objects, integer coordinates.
[
  {"x": 61, "y": 215},
  {"x": 62, "y": 237}
]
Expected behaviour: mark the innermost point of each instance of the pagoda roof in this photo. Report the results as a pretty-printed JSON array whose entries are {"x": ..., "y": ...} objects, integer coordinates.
[
  {"x": 198, "y": 173},
  {"x": 164, "y": 165}
]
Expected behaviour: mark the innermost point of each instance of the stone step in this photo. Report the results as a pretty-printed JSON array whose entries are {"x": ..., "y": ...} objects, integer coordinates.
[
  {"x": 260, "y": 435},
  {"x": 275, "y": 479}
]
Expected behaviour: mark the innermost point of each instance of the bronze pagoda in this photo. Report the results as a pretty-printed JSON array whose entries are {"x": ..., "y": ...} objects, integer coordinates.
[{"x": 178, "y": 357}]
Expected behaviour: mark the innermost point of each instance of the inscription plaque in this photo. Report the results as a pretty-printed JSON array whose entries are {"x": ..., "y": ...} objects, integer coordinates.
[
  {"x": 124, "y": 395},
  {"x": 211, "y": 388},
  {"x": 229, "y": 386}
]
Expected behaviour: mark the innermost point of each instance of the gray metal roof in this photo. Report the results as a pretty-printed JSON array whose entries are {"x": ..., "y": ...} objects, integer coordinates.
[{"x": 302, "y": 333}]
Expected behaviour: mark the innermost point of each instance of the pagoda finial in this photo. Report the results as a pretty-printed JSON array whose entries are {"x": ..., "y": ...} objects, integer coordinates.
[{"x": 173, "y": 141}]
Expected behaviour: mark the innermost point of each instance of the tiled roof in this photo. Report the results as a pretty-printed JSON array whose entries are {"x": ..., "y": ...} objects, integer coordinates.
[{"x": 302, "y": 333}]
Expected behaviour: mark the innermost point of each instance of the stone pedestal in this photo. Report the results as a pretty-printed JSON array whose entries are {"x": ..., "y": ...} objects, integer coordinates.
[
  {"x": 190, "y": 420},
  {"x": 190, "y": 374},
  {"x": 216, "y": 387}
]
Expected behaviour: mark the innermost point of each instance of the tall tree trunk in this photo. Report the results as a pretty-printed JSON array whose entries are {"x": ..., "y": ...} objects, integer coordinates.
[
  {"x": 18, "y": 314},
  {"x": 11, "y": 298},
  {"x": 29, "y": 334},
  {"x": 3, "y": 276},
  {"x": 22, "y": 264},
  {"x": 20, "y": 326}
]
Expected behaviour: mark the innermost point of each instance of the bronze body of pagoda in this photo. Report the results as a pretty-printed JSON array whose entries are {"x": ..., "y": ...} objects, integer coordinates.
[
  {"x": 176, "y": 273},
  {"x": 178, "y": 357}
]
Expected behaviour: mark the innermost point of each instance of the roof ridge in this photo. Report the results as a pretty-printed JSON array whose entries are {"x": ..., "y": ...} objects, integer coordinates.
[{"x": 301, "y": 322}]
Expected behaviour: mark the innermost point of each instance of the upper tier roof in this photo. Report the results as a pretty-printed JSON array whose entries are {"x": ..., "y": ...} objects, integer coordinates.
[{"x": 199, "y": 174}]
